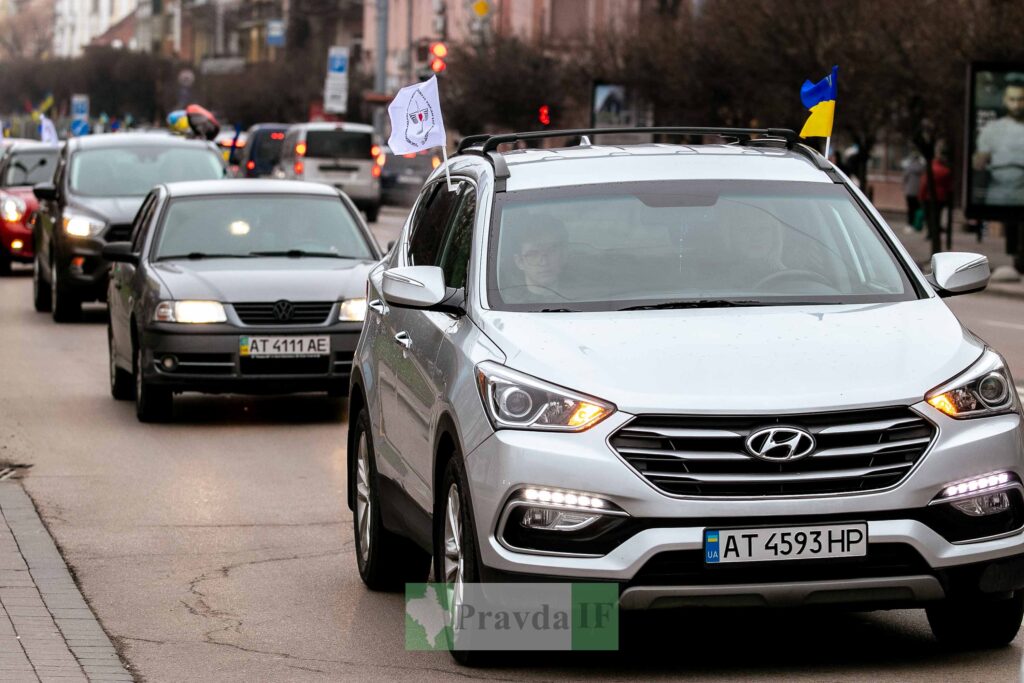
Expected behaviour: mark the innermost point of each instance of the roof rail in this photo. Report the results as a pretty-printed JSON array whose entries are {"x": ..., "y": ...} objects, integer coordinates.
[{"x": 490, "y": 143}]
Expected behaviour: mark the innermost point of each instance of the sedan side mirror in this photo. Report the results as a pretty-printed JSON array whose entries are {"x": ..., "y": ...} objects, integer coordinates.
[
  {"x": 120, "y": 252},
  {"x": 956, "y": 272},
  {"x": 421, "y": 287},
  {"x": 45, "y": 192}
]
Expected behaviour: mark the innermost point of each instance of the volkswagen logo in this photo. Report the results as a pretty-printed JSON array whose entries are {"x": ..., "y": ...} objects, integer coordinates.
[
  {"x": 779, "y": 444},
  {"x": 283, "y": 311}
]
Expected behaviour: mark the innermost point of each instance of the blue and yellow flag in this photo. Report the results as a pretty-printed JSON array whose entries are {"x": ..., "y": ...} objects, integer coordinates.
[{"x": 820, "y": 98}]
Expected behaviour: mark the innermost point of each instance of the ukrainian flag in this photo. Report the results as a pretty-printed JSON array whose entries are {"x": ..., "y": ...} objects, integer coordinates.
[{"x": 820, "y": 98}]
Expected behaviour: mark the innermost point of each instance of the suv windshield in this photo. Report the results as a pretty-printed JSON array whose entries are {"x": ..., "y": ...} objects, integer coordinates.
[
  {"x": 29, "y": 168},
  {"x": 338, "y": 144},
  {"x": 687, "y": 243},
  {"x": 260, "y": 225},
  {"x": 133, "y": 171}
]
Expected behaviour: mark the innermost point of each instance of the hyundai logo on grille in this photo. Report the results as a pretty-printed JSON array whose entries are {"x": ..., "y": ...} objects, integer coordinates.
[
  {"x": 283, "y": 311},
  {"x": 777, "y": 444}
]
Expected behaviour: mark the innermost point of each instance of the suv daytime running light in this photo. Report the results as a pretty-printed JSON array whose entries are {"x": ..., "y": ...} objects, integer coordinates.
[
  {"x": 978, "y": 484},
  {"x": 566, "y": 498}
]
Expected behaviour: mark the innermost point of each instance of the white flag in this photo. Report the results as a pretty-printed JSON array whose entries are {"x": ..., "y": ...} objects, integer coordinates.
[
  {"x": 47, "y": 131},
  {"x": 416, "y": 122}
]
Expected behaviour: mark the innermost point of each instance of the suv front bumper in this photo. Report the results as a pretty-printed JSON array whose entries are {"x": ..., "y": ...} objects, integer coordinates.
[{"x": 663, "y": 528}]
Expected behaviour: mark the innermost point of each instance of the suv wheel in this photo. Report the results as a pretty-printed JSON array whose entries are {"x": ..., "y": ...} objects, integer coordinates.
[
  {"x": 372, "y": 212},
  {"x": 455, "y": 555},
  {"x": 386, "y": 561},
  {"x": 122, "y": 387},
  {"x": 152, "y": 403},
  {"x": 66, "y": 308},
  {"x": 40, "y": 289},
  {"x": 982, "y": 624}
]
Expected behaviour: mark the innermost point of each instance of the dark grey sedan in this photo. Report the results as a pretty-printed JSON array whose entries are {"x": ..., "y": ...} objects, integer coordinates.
[{"x": 240, "y": 286}]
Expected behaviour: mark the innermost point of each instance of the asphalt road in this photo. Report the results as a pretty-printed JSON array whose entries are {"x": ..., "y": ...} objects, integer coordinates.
[{"x": 219, "y": 547}]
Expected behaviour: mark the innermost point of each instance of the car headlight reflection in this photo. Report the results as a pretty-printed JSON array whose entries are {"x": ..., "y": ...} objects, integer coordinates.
[
  {"x": 190, "y": 312},
  {"x": 12, "y": 209},
  {"x": 518, "y": 401},
  {"x": 353, "y": 310},
  {"x": 986, "y": 388}
]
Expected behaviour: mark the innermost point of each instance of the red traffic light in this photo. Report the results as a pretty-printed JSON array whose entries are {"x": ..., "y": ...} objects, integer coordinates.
[
  {"x": 437, "y": 65},
  {"x": 439, "y": 50},
  {"x": 544, "y": 115}
]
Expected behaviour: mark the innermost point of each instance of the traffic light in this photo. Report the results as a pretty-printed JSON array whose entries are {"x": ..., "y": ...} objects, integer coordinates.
[
  {"x": 544, "y": 115},
  {"x": 438, "y": 53}
]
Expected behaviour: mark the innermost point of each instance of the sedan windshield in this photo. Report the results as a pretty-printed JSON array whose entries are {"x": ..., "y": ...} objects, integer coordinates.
[
  {"x": 687, "y": 244},
  {"x": 133, "y": 171},
  {"x": 252, "y": 225}
]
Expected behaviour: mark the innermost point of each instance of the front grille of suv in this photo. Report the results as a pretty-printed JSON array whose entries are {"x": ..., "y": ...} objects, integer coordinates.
[
  {"x": 302, "y": 313},
  {"x": 862, "y": 450}
]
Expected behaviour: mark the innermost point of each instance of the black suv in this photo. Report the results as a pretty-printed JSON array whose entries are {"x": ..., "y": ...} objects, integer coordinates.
[
  {"x": 98, "y": 186},
  {"x": 262, "y": 150}
]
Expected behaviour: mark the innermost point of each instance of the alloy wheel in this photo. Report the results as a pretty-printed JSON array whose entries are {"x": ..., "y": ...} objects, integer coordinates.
[
  {"x": 363, "y": 499},
  {"x": 454, "y": 559}
]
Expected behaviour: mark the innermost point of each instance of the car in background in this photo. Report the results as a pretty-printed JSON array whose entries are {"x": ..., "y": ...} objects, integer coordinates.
[
  {"x": 342, "y": 155},
  {"x": 231, "y": 143},
  {"x": 262, "y": 150},
  {"x": 23, "y": 165},
  {"x": 97, "y": 189},
  {"x": 403, "y": 175},
  {"x": 241, "y": 286}
]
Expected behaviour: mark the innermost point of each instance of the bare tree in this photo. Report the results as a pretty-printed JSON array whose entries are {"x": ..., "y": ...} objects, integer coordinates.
[{"x": 28, "y": 32}]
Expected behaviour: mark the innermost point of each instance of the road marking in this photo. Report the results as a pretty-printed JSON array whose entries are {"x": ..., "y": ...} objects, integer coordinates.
[{"x": 1003, "y": 323}]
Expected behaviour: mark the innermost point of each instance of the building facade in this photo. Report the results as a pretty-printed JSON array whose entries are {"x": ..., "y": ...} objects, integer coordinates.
[{"x": 78, "y": 22}]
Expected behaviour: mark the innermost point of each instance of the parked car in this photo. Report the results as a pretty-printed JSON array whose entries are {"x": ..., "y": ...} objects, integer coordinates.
[
  {"x": 98, "y": 187},
  {"x": 708, "y": 373},
  {"x": 23, "y": 165},
  {"x": 242, "y": 286},
  {"x": 262, "y": 151},
  {"x": 342, "y": 155},
  {"x": 403, "y": 175}
]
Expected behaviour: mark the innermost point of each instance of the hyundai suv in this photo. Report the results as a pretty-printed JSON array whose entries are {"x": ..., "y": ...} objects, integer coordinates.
[{"x": 707, "y": 372}]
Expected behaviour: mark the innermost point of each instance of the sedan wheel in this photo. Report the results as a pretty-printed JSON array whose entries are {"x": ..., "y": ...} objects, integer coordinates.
[
  {"x": 40, "y": 291},
  {"x": 152, "y": 403},
  {"x": 121, "y": 386}
]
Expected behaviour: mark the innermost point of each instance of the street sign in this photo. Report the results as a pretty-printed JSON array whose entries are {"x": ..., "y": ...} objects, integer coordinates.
[
  {"x": 336, "y": 82},
  {"x": 275, "y": 33},
  {"x": 79, "y": 127},
  {"x": 79, "y": 106}
]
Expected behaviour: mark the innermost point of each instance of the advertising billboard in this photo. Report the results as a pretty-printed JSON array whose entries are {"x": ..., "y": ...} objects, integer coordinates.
[{"x": 995, "y": 141}]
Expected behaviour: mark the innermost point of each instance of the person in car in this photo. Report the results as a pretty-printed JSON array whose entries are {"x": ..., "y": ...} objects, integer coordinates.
[{"x": 540, "y": 257}]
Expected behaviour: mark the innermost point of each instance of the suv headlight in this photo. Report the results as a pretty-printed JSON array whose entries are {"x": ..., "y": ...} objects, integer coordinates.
[
  {"x": 986, "y": 388},
  {"x": 518, "y": 401},
  {"x": 80, "y": 225},
  {"x": 12, "y": 209},
  {"x": 192, "y": 312}
]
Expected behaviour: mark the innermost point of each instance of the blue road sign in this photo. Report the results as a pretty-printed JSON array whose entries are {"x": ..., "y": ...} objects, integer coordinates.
[{"x": 79, "y": 127}]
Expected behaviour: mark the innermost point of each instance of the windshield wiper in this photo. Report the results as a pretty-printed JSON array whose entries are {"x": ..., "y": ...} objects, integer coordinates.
[
  {"x": 299, "y": 253},
  {"x": 198, "y": 255},
  {"x": 696, "y": 303},
  {"x": 559, "y": 310}
]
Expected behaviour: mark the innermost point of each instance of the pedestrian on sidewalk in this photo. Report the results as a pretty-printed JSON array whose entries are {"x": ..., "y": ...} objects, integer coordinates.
[
  {"x": 913, "y": 169},
  {"x": 943, "y": 200}
]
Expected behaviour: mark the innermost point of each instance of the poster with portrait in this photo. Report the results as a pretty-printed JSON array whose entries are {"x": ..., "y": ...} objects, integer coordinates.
[{"x": 995, "y": 141}]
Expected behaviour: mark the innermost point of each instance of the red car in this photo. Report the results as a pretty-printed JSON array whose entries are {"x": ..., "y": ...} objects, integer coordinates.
[{"x": 23, "y": 165}]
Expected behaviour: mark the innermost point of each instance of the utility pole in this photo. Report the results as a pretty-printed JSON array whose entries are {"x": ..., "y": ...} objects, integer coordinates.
[
  {"x": 380, "y": 81},
  {"x": 408, "y": 41}
]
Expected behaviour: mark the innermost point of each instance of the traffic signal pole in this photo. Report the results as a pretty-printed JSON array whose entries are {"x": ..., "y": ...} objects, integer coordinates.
[{"x": 380, "y": 80}]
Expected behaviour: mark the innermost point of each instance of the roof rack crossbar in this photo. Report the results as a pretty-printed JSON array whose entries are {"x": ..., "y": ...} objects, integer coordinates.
[{"x": 491, "y": 143}]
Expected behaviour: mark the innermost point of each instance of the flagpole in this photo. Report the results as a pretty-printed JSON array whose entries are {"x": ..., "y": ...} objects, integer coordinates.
[
  {"x": 447, "y": 173},
  {"x": 828, "y": 143}
]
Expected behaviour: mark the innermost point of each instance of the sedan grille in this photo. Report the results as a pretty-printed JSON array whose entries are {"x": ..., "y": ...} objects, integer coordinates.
[
  {"x": 285, "y": 312},
  {"x": 862, "y": 450}
]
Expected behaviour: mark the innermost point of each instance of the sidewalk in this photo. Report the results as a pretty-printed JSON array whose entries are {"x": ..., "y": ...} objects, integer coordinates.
[
  {"x": 47, "y": 631},
  {"x": 992, "y": 247}
]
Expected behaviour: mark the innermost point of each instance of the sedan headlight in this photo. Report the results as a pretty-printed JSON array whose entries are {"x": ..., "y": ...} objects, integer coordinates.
[
  {"x": 986, "y": 388},
  {"x": 12, "y": 209},
  {"x": 80, "y": 225},
  {"x": 191, "y": 312},
  {"x": 353, "y": 310},
  {"x": 518, "y": 401}
]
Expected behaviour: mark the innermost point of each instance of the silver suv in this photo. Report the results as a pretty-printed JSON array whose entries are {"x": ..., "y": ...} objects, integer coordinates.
[{"x": 708, "y": 372}]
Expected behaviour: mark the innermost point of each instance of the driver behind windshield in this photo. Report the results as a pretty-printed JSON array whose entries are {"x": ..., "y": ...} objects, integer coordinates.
[{"x": 539, "y": 255}]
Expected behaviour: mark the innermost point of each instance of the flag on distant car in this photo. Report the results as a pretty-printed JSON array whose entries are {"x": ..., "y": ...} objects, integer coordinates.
[
  {"x": 47, "y": 131},
  {"x": 820, "y": 98}
]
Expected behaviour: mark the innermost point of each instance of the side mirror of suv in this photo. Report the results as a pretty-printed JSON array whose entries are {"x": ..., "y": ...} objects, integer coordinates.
[
  {"x": 956, "y": 272},
  {"x": 120, "y": 252},
  {"x": 421, "y": 287},
  {"x": 46, "y": 192}
]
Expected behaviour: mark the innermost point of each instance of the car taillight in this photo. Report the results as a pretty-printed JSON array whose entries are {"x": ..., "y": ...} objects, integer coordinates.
[
  {"x": 375, "y": 150},
  {"x": 251, "y": 165},
  {"x": 298, "y": 168},
  {"x": 300, "y": 149},
  {"x": 277, "y": 136},
  {"x": 376, "y": 171}
]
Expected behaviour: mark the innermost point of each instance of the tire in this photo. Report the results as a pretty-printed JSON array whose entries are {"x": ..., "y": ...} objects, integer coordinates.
[
  {"x": 981, "y": 624},
  {"x": 372, "y": 213},
  {"x": 448, "y": 558},
  {"x": 65, "y": 307},
  {"x": 122, "y": 385},
  {"x": 152, "y": 403},
  {"x": 40, "y": 288},
  {"x": 386, "y": 561},
  {"x": 5, "y": 262}
]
